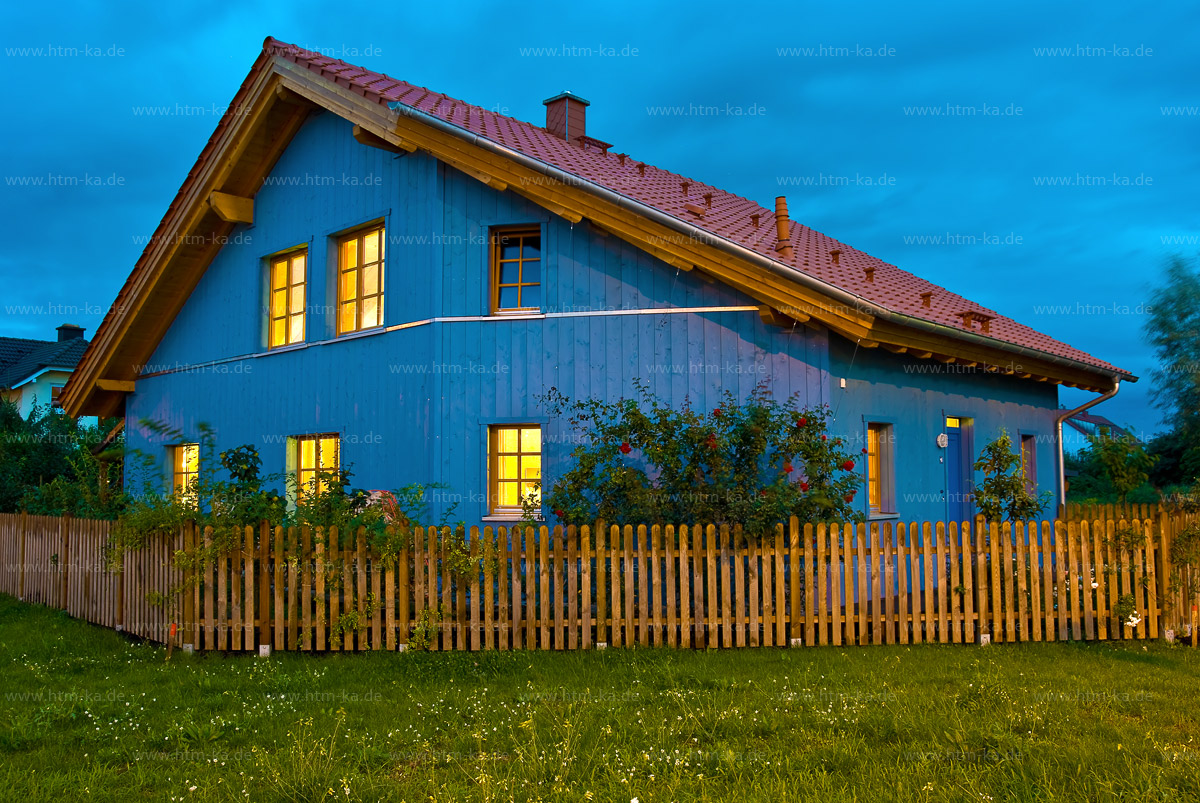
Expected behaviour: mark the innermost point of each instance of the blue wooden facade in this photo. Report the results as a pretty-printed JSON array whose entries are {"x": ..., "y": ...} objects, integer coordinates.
[{"x": 412, "y": 401}]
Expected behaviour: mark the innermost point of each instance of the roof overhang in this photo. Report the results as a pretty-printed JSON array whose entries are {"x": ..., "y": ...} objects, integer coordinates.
[{"x": 274, "y": 101}]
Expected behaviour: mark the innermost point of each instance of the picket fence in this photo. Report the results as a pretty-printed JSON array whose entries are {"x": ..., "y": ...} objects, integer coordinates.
[{"x": 581, "y": 588}]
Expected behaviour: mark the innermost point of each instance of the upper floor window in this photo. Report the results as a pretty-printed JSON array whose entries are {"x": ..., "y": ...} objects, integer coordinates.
[
  {"x": 56, "y": 396},
  {"x": 360, "y": 280},
  {"x": 316, "y": 457},
  {"x": 186, "y": 475},
  {"x": 517, "y": 270},
  {"x": 881, "y": 496},
  {"x": 516, "y": 466},
  {"x": 285, "y": 324}
]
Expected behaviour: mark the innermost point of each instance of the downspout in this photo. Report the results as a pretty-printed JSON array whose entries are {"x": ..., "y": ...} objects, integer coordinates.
[
  {"x": 1058, "y": 426},
  {"x": 728, "y": 246}
]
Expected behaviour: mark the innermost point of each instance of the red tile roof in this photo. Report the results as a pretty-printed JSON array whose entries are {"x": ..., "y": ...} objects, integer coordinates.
[{"x": 729, "y": 216}]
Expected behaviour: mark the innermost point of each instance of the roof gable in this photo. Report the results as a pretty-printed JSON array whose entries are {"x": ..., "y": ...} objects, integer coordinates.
[{"x": 801, "y": 276}]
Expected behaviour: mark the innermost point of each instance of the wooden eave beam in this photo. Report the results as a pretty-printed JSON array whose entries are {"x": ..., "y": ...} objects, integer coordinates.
[
  {"x": 232, "y": 208},
  {"x": 373, "y": 140},
  {"x": 774, "y": 317},
  {"x": 285, "y": 95},
  {"x": 116, "y": 385}
]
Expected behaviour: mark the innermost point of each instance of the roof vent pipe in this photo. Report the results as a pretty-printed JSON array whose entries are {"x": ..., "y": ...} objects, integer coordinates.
[{"x": 782, "y": 228}]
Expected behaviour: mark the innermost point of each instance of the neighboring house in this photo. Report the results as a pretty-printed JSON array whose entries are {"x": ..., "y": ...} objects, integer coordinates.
[
  {"x": 35, "y": 371},
  {"x": 361, "y": 271},
  {"x": 1080, "y": 427}
]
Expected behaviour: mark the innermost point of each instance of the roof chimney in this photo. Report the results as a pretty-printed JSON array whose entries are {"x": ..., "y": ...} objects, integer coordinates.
[
  {"x": 69, "y": 331},
  {"x": 782, "y": 228},
  {"x": 566, "y": 115}
]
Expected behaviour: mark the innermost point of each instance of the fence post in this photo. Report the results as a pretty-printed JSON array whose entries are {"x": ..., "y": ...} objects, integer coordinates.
[
  {"x": 63, "y": 560},
  {"x": 21, "y": 576}
]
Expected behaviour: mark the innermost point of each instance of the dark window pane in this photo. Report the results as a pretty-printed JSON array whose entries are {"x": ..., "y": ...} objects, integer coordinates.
[
  {"x": 510, "y": 247},
  {"x": 532, "y": 247},
  {"x": 508, "y": 297},
  {"x": 531, "y": 296},
  {"x": 508, "y": 272}
]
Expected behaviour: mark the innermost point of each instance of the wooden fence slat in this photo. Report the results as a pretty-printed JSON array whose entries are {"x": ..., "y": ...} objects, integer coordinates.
[
  {"x": 1151, "y": 580},
  {"x": 632, "y": 574},
  {"x": 1006, "y": 571},
  {"x": 779, "y": 603},
  {"x": 669, "y": 584},
  {"x": 524, "y": 590},
  {"x": 860, "y": 595},
  {"x": 724, "y": 590},
  {"x": 877, "y": 634},
  {"x": 585, "y": 585},
  {"x": 1139, "y": 585},
  {"x": 889, "y": 582},
  {"x": 652, "y": 601},
  {"x": 711, "y": 610},
  {"x": 1060, "y": 578},
  {"x": 916, "y": 572},
  {"x": 544, "y": 612},
  {"x": 822, "y": 575},
  {"x": 746, "y": 604},
  {"x": 1022, "y": 589},
  {"x": 930, "y": 582},
  {"x": 489, "y": 589},
  {"x": 1086, "y": 572},
  {"x": 602, "y": 636},
  {"x": 474, "y": 636},
  {"x": 941, "y": 589},
  {"x": 557, "y": 593},
  {"x": 396, "y": 586},
  {"x": 686, "y": 577},
  {"x": 616, "y": 575},
  {"x": 836, "y": 597},
  {"x": 806, "y": 576}
]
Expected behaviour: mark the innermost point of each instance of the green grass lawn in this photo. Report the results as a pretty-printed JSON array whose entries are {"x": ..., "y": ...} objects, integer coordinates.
[{"x": 88, "y": 714}]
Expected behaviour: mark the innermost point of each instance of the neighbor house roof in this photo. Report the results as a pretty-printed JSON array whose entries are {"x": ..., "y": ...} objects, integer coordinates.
[
  {"x": 21, "y": 359},
  {"x": 878, "y": 303},
  {"x": 1091, "y": 424}
]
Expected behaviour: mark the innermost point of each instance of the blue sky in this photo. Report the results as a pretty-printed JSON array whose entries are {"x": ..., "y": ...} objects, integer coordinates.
[{"x": 1038, "y": 158}]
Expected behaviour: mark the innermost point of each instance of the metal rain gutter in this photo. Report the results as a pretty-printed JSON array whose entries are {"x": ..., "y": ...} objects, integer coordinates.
[{"x": 1058, "y": 428}]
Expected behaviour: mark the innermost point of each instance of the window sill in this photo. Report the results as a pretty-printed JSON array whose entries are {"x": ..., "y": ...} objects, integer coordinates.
[
  {"x": 507, "y": 517},
  {"x": 883, "y": 517},
  {"x": 374, "y": 330}
]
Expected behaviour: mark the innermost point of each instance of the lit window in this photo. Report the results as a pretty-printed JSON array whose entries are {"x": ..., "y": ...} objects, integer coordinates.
[
  {"x": 285, "y": 318},
  {"x": 516, "y": 466},
  {"x": 360, "y": 280},
  {"x": 881, "y": 495},
  {"x": 186, "y": 457},
  {"x": 1029, "y": 462},
  {"x": 316, "y": 457},
  {"x": 952, "y": 423},
  {"x": 517, "y": 270}
]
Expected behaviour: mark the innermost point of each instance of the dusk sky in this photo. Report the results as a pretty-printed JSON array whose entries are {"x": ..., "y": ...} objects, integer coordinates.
[{"x": 1038, "y": 158}]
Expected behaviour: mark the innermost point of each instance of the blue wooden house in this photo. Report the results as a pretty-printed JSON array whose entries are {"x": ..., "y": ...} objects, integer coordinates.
[{"x": 361, "y": 272}]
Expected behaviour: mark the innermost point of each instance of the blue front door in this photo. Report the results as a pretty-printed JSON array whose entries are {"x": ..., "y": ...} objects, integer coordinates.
[{"x": 959, "y": 471}]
